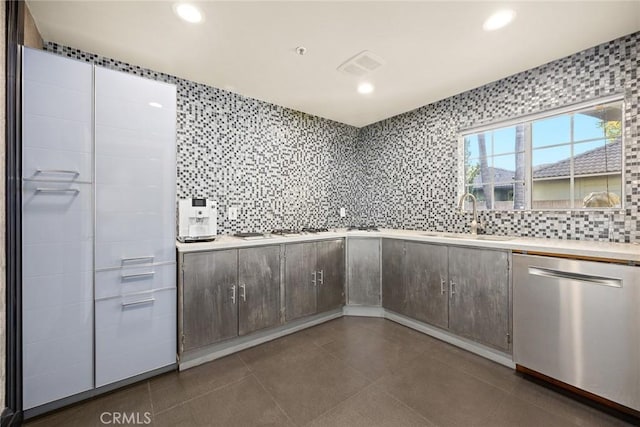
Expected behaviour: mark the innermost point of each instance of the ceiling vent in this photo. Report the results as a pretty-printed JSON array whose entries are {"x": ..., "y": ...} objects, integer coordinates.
[{"x": 363, "y": 63}]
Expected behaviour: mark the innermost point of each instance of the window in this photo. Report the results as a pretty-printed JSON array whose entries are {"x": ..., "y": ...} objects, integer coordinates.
[{"x": 568, "y": 160}]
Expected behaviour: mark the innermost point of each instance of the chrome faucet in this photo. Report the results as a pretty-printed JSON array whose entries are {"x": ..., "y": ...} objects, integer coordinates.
[{"x": 475, "y": 225}]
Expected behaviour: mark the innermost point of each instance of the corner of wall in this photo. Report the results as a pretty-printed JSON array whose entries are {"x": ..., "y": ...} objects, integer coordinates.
[{"x": 32, "y": 37}]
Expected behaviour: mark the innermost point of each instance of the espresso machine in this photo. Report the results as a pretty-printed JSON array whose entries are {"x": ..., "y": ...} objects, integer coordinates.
[{"x": 197, "y": 220}]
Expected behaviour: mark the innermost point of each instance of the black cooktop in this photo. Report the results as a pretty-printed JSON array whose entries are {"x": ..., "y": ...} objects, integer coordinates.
[
  {"x": 283, "y": 231},
  {"x": 315, "y": 230}
]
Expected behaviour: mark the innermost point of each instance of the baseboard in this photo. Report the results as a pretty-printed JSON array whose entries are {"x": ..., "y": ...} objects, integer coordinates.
[
  {"x": 360, "y": 310},
  {"x": 471, "y": 346},
  {"x": 217, "y": 351}
]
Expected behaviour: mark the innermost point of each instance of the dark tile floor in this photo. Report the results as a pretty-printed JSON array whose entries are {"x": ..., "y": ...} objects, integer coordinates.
[{"x": 348, "y": 372}]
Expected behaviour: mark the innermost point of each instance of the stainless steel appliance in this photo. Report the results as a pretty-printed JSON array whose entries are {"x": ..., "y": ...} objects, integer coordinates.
[
  {"x": 579, "y": 322},
  {"x": 197, "y": 220}
]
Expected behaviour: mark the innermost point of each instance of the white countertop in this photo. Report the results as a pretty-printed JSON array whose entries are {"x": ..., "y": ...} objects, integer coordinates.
[{"x": 618, "y": 251}]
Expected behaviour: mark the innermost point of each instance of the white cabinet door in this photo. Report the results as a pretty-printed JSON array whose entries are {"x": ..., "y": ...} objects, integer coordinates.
[
  {"x": 57, "y": 228},
  {"x": 135, "y": 168},
  {"x": 135, "y": 333}
]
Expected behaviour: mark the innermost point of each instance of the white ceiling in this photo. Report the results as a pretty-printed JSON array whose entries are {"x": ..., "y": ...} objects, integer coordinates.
[{"x": 432, "y": 49}]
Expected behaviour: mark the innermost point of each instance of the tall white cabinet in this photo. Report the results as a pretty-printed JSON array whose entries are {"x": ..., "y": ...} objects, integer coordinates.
[
  {"x": 98, "y": 225},
  {"x": 57, "y": 228},
  {"x": 135, "y": 281}
]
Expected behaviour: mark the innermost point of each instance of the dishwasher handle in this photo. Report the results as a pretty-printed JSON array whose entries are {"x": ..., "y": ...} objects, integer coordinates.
[{"x": 580, "y": 277}]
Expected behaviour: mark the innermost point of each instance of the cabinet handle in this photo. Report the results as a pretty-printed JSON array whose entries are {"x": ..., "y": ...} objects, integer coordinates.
[
  {"x": 453, "y": 288},
  {"x": 137, "y": 275},
  {"x": 57, "y": 190},
  {"x": 243, "y": 292},
  {"x": 136, "y": 260},
  {"x": 233, "y": 294},
  {"x": 321, "y": 278},
  {"x": 57, "y": 171},
  {"x": 313, "y": 278},
  {"x": 142, "y": 301},
  {"x": 442, "y": 289}
]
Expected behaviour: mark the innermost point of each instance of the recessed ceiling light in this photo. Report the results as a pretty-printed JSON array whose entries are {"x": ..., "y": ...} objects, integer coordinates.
[
  {"x": 365, "y": 88},
  {"x": 499, "y": 19},
  {"x": 188, "y": 12},
  {"x": 155, "y": 104}
]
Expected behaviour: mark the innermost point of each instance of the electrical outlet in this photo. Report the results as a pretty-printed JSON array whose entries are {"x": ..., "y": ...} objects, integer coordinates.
[
  {"x": 233, "y": 213},
  {"x": 343, "y": 212}
]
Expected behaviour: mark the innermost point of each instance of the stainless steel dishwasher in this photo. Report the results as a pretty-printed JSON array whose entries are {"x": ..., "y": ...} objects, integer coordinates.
[{"x": 579, "y": 322}]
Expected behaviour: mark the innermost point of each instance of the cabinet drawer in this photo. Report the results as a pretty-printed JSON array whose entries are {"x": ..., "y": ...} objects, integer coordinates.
[
  {"x": 133, "y": 226},
  {"x": 135, "y": 334},
  {"x": 114, "y": 254},
  {"x": 140, "y": 278}
]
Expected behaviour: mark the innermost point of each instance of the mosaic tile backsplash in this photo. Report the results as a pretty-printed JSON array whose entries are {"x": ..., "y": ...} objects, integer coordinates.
[
  {"x": 280, "y": 167},
  {"x": 284, "y": 168},
  {"x": 408, "y": 168}
]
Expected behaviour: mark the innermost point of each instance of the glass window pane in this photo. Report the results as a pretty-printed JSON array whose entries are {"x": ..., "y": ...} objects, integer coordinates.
[
  {"x": 472, "y": 171},
  {"x": 478, "y": 191},
  {"x": 551, "y": 194},
  {"x": 556, "y": 130},
  {"x": 519, "y": 195},
  {"x": 471, "y": 146},
  {"x": 504, "y": 140},
  {"x": 589, "y": 158},
  {"x": 601, "y": 121},
  {"x": 551, "y": 162},
  {"x": 587, "y": 125},
  {"x": 598, "y": 191},
  {"x": 597, "y": 157},
  {"x": 504, "y": 165}
]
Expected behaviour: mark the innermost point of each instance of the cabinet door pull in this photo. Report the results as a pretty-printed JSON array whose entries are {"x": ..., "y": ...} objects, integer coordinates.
[
  {"x": 442, "y": 289},
  {"x": 313, "y": 278},
  {"x": 142, "y": 301},
  {"x": 137, "y": 260},
  {"x": 243, "y": 292},
  {"x": 56, "y": 171},
  {"x": 321, "y": 277},
  {"x": 453, "y": 288},
  {"x": 57, "y": 190},
  {"x": 137, "y": 275},
  {"x": 233, "y": 294}
]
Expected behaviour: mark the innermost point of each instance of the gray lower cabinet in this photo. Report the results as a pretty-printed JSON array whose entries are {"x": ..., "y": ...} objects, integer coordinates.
[
  {"x": 314, "y": 277},
  {"x": 330, "y": 262},
  {"x": 425, "y": 290},
  {"x": 300, "y": 280},
  {"x": 228, "y": 293},
  {"x": 210, "y": 312},
  {"x": 258, "y": 288},
  {"x": 479, "y": 295},
  {"x": 465, "y": 290},
  {"x": 393, "y": 295},
  {"x": 364, "y": 271}
]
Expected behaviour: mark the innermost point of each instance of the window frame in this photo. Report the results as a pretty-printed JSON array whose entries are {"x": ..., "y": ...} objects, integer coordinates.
[{"x": 528, "y": 119}]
